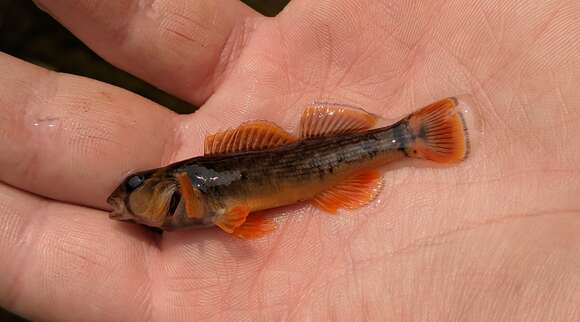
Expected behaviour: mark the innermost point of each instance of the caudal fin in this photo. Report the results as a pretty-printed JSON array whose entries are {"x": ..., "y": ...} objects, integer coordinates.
[{"x": 440, "y": 133}]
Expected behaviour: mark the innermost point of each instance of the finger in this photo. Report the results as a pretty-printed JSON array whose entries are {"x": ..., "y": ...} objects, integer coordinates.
[
  {"x": 71, "y": 138},
  {"x": 67, "y": 263},
  {"x": 180, "y": 46}
]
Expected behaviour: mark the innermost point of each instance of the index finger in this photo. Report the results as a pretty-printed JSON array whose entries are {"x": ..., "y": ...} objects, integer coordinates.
[
  {"x": 71, "y": 138},
  {"x": 161, "y": 41}
]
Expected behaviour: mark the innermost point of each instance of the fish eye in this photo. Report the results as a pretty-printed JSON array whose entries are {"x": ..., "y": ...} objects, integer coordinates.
[{"x": 134, "y": 182}]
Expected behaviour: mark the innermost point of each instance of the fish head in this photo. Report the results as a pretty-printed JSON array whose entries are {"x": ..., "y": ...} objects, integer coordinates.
[{"x": 147, "y": 198}]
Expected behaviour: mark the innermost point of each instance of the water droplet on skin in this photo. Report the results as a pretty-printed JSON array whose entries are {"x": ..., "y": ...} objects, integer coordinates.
[
  {"x": 48, "y": 123},
  {"x": 471, "y": 116}
]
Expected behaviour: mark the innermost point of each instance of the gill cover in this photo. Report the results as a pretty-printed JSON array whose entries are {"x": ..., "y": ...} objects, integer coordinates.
[
  {"x": 144, "y": 197},
  {"x": 151, "y": 200}
]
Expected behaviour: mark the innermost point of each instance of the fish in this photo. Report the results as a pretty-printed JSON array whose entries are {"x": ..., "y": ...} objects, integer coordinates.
[{"x": 333, "y": 162}]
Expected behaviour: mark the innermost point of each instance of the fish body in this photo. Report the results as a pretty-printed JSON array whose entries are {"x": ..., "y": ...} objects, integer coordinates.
[
  {"x": 290, "y": 173},
  {"x": 333, "y": 163}
]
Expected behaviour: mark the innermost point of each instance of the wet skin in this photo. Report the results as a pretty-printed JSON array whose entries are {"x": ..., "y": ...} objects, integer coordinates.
[{"x": 494, "y": 239}]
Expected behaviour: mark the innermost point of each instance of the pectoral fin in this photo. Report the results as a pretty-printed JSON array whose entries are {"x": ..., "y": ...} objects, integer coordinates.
[
  {"x": 256, "y": 226},
  {"x": 191, "y": 196},
  {"x": 354, "y": 192}
]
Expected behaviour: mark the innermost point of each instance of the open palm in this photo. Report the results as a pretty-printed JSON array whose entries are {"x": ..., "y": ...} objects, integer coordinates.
[{"x": 492, "y": 239}]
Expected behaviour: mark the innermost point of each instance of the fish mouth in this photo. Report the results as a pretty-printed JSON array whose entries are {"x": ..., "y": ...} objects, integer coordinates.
[{"x": 119, "y": 212}]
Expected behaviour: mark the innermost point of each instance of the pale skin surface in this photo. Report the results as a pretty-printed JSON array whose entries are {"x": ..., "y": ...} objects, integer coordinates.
[{"x": 493, "y": 239}]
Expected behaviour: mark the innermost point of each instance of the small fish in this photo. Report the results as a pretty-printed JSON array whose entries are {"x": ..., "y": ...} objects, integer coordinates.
[{"x": 333, "y": 163}]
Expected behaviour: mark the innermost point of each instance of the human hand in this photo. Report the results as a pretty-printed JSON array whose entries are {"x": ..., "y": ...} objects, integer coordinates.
[{"x": 492, "y": 239}]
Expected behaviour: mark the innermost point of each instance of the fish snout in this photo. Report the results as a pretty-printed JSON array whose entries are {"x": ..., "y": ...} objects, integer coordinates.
[{"x": 119, "y": 211}]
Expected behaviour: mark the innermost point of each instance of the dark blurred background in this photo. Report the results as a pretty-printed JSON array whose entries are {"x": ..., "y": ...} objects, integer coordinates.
[{"x": 30, "y": 34}]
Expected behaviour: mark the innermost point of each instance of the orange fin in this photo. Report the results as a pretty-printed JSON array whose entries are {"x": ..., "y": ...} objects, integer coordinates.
[
  {"x": 250, "y": 136},
  {"x": 440, "y": 133},
  {"x": 354, "y": 192},
  {"x": 190, "y": 196},
  {"x": 332, "y": 119},
  {"x": 233, "y": 219},
  {"x": 256, "y": 226}
]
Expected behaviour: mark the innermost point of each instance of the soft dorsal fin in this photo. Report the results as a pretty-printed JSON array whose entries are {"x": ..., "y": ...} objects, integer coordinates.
[
  {"x": 250, "y": 136},
  {"x": 326, "y": 119},
  {"x": 354, "y": 192}
]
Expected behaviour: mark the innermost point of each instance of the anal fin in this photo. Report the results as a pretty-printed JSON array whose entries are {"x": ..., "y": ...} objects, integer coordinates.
[
  {"x": 354, "y": 192},
  {"x": 325, "y": 119}
]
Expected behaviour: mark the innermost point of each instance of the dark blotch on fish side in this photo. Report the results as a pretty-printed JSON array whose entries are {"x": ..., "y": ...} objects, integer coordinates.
[{"x": 423, "y": 131}]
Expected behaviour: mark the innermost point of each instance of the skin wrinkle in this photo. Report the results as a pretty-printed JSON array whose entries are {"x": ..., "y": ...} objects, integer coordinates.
[
  {"x": 345, "y": 70},
  {"x": 260, "y": 271},
  {"x": 31, "y": 232},
  {"x": 285, "y": 59},
  {"x": 149, "y": 15},
  {"x": 173, "y": 143},
  {"x": 488, "y": 26},
  {"x": 234, "y": 46},
  {"x": 411, "y": 55},
  {"x": 154, "y": 260},
  {"x": 122, "y": 33},
  {"x": 535, "y": 141},
  {"x": 128, "y": 8},
  {"x": 49, "y": 87},
  {"x": 360, "y": 292},
  {"x": 145, "y": 308},
  {"x": 500, "y": 220},
  {"x": 415, "y": 246},
  {"x": 184, "y": 25},
  {"x": 463, "y": 319},
  {"x": 70, "y": 248},
  {"x": 516, "y": 58},
  {"x": 566, "y": 110},
  {"x": 293, "y": 310},
  {"x": 227, "y": 54}
]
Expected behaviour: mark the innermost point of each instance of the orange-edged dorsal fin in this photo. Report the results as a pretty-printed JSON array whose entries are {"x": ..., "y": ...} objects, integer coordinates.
[
  {"x": 232, "y": 219},
  {"x": 256, "y": 226},
  {"x": 354, "y": 192},
  {"x": 250, "y": 136},
  {"x": 325, "y": 119}
]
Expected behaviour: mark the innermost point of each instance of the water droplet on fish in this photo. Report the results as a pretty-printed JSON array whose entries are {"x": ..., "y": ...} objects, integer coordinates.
[{"x": 470, "y": 111}]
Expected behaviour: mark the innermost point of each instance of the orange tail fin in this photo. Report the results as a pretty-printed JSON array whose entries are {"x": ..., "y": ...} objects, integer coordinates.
[{"x": 440, "y": 133}]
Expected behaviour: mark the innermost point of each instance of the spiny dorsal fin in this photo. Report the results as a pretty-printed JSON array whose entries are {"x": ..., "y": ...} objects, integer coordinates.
[
  {"x": 325, "y": 119},
  {"x": 250, "y": 136},
  {"x": 354, "y": 192}
]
